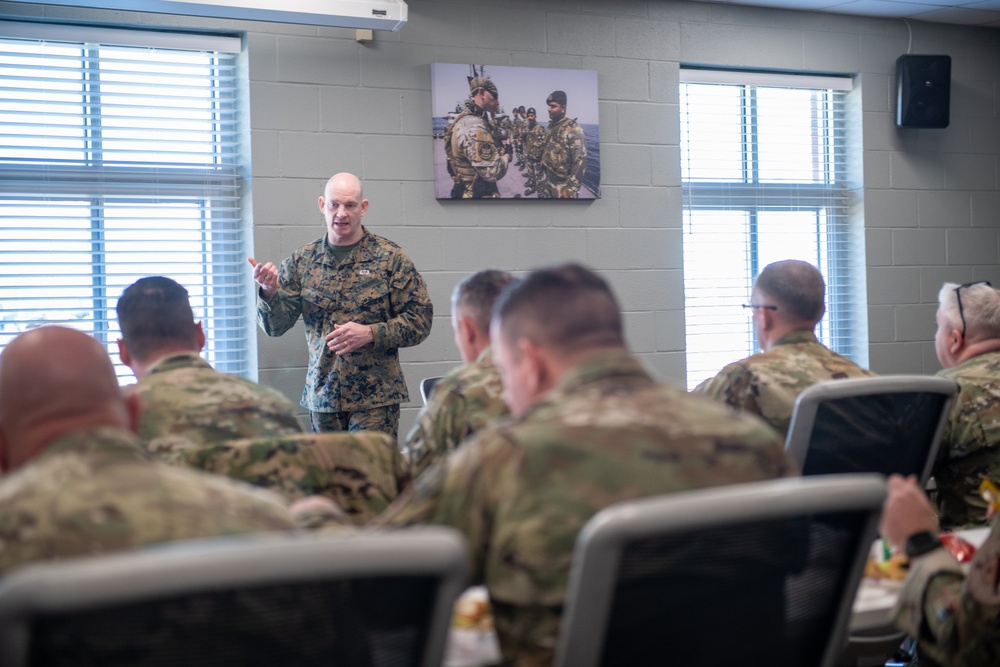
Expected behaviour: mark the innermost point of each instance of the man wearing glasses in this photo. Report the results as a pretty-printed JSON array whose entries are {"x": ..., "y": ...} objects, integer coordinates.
[
  {"x": 968, "y": 346},
  {"x": 787, "y": 302}
]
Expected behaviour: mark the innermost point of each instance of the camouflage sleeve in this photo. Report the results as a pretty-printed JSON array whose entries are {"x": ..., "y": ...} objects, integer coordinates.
[
  {"x": 461, "y": 491},
  {"x": 361, "y": 472},
  {"x": 578, "y": 161},
  {"x": 735, "y": 386},
  {"x": 411, "y": 309},
  {"x": 438, "y": 430},
  {"x": 279, "y": 313},
  {"x": 954, "y": 617}
]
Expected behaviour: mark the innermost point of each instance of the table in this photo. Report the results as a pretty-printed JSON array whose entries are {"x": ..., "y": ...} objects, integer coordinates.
[{"x": 876, "y": 599}]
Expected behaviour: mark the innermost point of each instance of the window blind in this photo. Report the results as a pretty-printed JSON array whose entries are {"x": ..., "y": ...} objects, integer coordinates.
[
  {"x": 764, "y": 179},
  {"x": 119, "y": 161}
]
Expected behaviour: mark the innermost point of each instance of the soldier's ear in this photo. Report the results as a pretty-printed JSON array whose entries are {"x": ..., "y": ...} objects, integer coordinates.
[
  {"x": 322, "y": 205},
  {"x": 199, "y": 334},
  {"x": 956, "y": 341},
  {"x": 132, "y": 410},
  {"x": 364, "y": 206},
  {"x": 124, "y": 354}
]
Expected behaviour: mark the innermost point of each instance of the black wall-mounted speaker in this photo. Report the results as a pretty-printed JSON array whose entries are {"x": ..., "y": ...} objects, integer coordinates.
[{"x": 924, "y": 86}]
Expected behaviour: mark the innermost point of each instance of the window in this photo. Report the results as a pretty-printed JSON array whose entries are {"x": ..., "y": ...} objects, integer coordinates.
[
  {"x": 764, "y": 178},
  {"x": 119, "y": 159}
]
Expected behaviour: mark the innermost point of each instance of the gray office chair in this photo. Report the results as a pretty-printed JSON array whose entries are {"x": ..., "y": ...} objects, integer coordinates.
[
  {"x": 888, "y": 424},
  {"x": 380, "y": 600},
  {"x": 759, "y": 575},
  {"x": 427, "y": 386}
]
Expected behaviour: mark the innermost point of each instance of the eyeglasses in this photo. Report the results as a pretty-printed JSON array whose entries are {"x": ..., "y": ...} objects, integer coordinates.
[
  {"x": 754, "y": 306},
  {"x": 958, "y": 296}
]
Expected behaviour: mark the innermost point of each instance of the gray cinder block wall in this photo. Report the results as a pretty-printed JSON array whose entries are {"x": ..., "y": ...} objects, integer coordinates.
[{"x": 320, "y": 102}]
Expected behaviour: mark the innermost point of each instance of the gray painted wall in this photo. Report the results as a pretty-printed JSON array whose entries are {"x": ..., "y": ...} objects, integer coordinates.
[{"x": 320, "y": 102}]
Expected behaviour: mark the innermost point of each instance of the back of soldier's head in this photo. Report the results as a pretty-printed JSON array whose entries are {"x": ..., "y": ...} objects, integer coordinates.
[
  {"x": 476, "y": 294},
  {"x": 155, "y": 313},
  {"x": 980, "y": 309},
  {"x": 568, "y": 309},
  {"x": 54, "y": 380},
  {"x": 796, "y": 288}
]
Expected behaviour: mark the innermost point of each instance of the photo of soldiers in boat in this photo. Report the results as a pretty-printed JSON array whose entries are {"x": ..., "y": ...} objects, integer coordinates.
[{"x": 514, "y": 132}]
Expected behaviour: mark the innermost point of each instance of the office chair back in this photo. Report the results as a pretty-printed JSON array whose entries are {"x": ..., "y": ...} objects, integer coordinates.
[
  {"x": 427, "y": 386},
  {"x": 760, "y": 574},
  {"x": 379, "y": 600},
  {"x": 887, "y": 424}
]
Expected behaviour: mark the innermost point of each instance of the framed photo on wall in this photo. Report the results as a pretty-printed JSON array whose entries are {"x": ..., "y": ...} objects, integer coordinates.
[{"x": 515, "y": 132}]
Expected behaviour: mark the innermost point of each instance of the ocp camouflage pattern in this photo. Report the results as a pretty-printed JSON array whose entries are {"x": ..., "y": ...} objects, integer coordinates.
[
  {"x": 520, "y": 491},
  {"x": 463, "y": 402},
  {"x": 768, "y": 383},
  {"x": 970, "y": 443},
  {"x": 361, "y": 472},
  {"x": 97, "y": 491},
  {"x": 564, "y": 159},
  {"x": 954, "y": 616},
  {"x": 378, "y": 286},
  {"x": 184, "y": 402}
]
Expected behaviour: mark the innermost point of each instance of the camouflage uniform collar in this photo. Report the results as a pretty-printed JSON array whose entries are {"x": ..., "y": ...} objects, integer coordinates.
[
  {"x": 104, "y": 439},
  {"x": 985, "y": 358},
  {"x": 614, "y": 364},
  {"x": 363, "y": 250},
  {"x": 172, "y": 362},
  {"x": 486, "y": 356},
  {"x": 475, "y": 109},
  {"x": 793, "y": 337}
]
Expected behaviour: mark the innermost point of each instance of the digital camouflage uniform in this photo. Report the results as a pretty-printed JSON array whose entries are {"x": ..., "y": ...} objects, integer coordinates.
[
  {"x": 520, "y": 491},
  {"x": 377, "y": 285},
  {"x": 564, "y": 159},
  {"x": 463, "y": 402},
  {"x": 475, "y": 155},
  {"x": 361, "y": 472},
  {"x": 97, "y": 491},
  {"x": 955, "y": 617},
  {"x": 768, "y": 383},
  {"x": 970, "y": 442},
  {"x": 534, "y": 142},
  {"x": 185, "y": 401}
]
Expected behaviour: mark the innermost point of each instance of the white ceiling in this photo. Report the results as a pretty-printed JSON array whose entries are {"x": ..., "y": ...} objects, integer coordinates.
[{"x": 962, "y": 12}]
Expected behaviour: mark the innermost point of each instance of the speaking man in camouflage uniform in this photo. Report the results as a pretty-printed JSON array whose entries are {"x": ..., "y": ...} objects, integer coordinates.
[
  {"x": 968, "y": 346},
  {"x": 787, "y": 302},
  {"x": 76, "y": 479},
  {"x": 953, "y": 615},
  {"x": 477, "y": 157},
  {"x": 564, "y": 156},
  {"x": 361, "y": 299},
  {"x": 590, "y": 428},
  {"x": 183, "y": 400},
  {"x": 470, "y": 397},
  {"x": 534, "y": 143}
]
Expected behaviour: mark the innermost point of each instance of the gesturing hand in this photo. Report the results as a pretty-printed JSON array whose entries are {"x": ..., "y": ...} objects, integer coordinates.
[
  {"x": 265, "y": 275},
  {"x": 348, "y": 337}
]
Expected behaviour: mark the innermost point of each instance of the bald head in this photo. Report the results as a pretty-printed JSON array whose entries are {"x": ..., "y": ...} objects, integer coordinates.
[
  {"x": 346, "y": 183},
  {"x": 54, "y": 381}
]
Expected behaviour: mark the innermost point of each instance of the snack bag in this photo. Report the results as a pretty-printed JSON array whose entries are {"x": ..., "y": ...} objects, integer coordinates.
[{"x": 991, "y": 494}]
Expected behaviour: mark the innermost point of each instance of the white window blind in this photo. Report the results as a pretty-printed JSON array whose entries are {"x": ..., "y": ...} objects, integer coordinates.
[
  {"x": 119, "y": 162},
  {"x": 764, "y": 179}
]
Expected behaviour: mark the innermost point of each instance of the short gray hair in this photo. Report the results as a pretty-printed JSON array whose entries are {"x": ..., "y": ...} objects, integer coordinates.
[
  {"x": 797, "y": 287},
  {"x": 980, "y": 307}
]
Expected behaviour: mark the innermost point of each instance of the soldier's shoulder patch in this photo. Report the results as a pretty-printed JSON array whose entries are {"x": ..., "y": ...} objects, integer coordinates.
[{"x": 486, "y": 151}]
